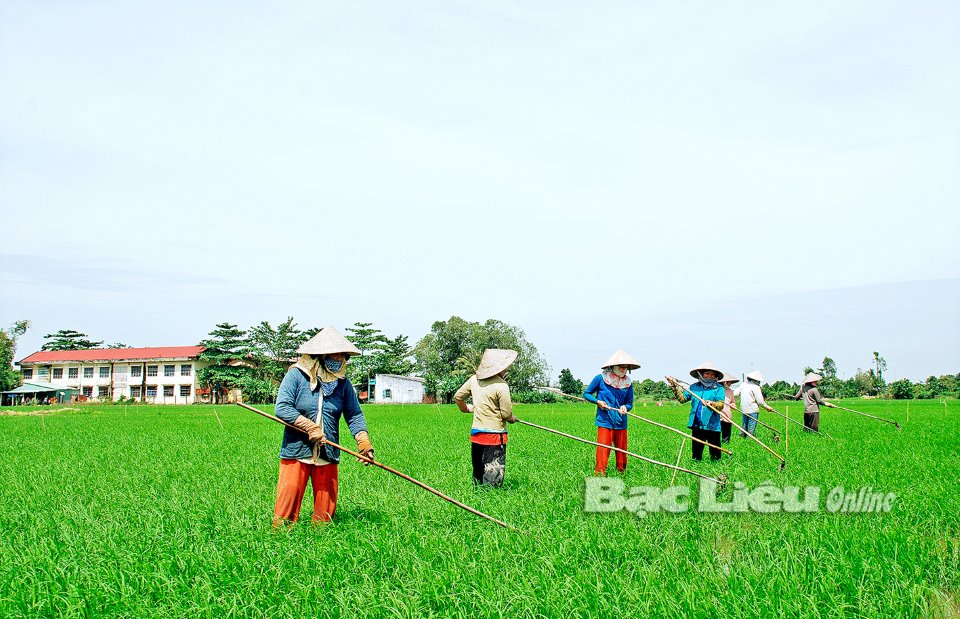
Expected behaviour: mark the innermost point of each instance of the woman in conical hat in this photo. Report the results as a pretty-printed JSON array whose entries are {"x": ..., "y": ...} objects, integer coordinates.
[
  {"x": 729, "y": 401},
  {"x": 704, "y": 421},
  {"x": 612, "y": 391},
  {"x": 812, "y": 401},
  {"x": 751, "y": 400},
  {"x": 492, "y": 409},
  {"x": 313, "y": 396}
]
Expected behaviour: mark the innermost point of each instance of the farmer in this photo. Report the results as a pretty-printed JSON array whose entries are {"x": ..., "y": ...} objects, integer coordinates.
[
  {"x": 704, "y": 421},
  {"x": 751, "y": 399},
  {"x": 612, "y": 391},
  {"x": 316, "y": 382},
  {"x": 491, "y": 409},
  {"x": 812, "y": 401},
  {"x": 729, "y": 401}
]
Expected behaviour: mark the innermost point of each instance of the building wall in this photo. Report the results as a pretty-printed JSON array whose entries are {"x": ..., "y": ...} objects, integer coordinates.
[
  {"x": 120, "y": 380},
  {"x": 392, "y": 389}
]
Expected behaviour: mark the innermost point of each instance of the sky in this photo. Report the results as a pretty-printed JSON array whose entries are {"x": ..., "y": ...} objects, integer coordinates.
[{"x": 758, "y": 184}]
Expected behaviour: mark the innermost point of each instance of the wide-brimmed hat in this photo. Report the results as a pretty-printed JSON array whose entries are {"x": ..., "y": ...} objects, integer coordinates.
[
  {"x": 706, "y": 365},
  {"x": 755, "y": 375},
  {"x": 494, "y": 361},
  {"x": 729, "y": 378},
  {"x": 328, "y": 342},
  {"x": 812, "y": 377},
  {"x": 622, "y": 359}
]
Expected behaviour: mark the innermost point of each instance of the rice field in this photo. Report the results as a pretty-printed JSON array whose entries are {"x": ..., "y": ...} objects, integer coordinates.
[{"x": 159, "y": 512}]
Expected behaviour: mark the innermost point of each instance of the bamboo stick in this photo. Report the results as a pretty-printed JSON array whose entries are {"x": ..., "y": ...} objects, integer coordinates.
[
  {"x": 850, "y": 410},
  {"x": 683, "y": 441},
  {"x": 389, "y": 470}
]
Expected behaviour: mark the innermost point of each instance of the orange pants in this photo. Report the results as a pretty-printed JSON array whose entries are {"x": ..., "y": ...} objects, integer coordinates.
[
  {"x": 617, "y": 438},
  {"x": 293, "y": 483}
]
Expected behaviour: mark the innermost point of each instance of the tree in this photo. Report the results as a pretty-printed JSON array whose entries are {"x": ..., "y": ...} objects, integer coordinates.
[
  {"x": 450, "y": 353},
  {"x": 117, "y": 345},
  {"x": 68, "y": 339},
  {"x": 226, "y": 350},
  {"x": 370, "y": 341},
  {"x": 901, "y": 390},
  {"x": 654, "y": 390},
  {"x": 10, "y": 378},
  {"x": 881, "y": 364},
  {"x": 394, "y": 357},
  {"x": 829, "y": 369},
  {"x": 275, "y": 348},
  {"x": 569, "y": 384}
]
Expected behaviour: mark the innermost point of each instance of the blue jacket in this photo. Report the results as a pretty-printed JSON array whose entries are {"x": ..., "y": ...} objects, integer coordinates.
[
  {"x": 295, "y": 398},
  {"x": 599, "y": 390},
  {"x": 700, "y": 415}
]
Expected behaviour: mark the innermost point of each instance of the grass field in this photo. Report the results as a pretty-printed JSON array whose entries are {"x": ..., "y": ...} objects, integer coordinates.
[{"x": 159, "y": 512}]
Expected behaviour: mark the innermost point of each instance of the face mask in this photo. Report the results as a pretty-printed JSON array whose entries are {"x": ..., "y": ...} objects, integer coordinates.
[
  {"x": 707, "y": 382},
  {"x": 332, "y": 364},
  {"x": 619, "y": 371}
]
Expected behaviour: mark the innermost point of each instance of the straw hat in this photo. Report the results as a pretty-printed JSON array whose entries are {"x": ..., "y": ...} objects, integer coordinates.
[
  {"x": 328, "y": 342},
  {"x": 755, "y": 375},
  {"x": 706, "y": 365},
  {"x": 729, "y": 378},
  {"x": 622, "y": 359},
  {"x": 494, "y": 361},
  {"x": 812, "y": 377}
]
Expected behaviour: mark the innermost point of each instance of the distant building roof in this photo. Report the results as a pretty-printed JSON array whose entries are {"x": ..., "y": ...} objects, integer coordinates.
[
  {"x": 114, "y": 354},
  {"x": 37, "y": 386},
  {"x": 413, "y": 378}
]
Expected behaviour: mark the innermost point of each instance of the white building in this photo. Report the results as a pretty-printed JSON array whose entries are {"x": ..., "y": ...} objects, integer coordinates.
[
  {"x": 166, "y": 375},
  {"x": 395, "y": 389}
]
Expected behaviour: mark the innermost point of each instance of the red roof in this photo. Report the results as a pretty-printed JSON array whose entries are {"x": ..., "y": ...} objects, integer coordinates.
[{"x": 113, "y": 354}]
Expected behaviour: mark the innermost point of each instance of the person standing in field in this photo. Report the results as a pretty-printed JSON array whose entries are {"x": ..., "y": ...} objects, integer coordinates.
[
  {"x": 492, "y": 408},
  {"x": 612, "y": 391},
  {"x": 704, "y": 421},
  {"x": 314, "y": 395},
  {"x": 751, "y": 399},
  {"x": 729, "y": 401},
  {"x": 812, "y": 401}
]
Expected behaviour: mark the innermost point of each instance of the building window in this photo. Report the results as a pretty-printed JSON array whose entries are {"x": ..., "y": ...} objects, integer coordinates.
[
  {"x": 43, "y": 372},
  {"x": 73, "y": 372},
  {"x": 168, "y": 391},
  {"x": 136, "y": 371},
  {"x": 104, "y": 372},
  {"x": 58, "y": 372},
  {"x": 88, "y": 372},
  {"x": 28, "y": 373},
  {"x": 135, "y": 391},
  {"x": 185, "y": 391},
  {"x": 152, "y": 370},
  {"x": 186, "y": 370},
  {"x": 151, "y": 391},
  {"x": 88, "y": 391},
  {"x": 103, "y": 392},
  {"x": 387, "y": 394},
  {"x": 168, "y": 370}
]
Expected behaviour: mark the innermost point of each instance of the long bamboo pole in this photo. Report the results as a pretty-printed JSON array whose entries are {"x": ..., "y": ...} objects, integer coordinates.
[
  {"x": 644, "y": 419},
  {"x": 850, "y": 410},
  {"x": 722, "y": 480},
  {"x": 783, "y": 461},
  {"x": 389, "y": 470},
  {"x": 683, "y": 442},
  {"x": 794, "y": 421}
]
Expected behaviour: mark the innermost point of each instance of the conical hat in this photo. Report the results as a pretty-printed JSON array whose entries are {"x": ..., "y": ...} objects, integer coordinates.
[
  {"x": 494, "y": 361},
  {"x": 729, "y": 378},
  {"x": 328, "y": 342},
  {"x": 812, "y": 377},
  {"x": 622, "y": 359},
  {"x": 756, "y": 375},
  {"x": 706, "y": 365}
]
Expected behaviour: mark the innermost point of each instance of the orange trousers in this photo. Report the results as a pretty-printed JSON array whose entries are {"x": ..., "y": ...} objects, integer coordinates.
[
  {"x": 292, "y": 485},
  {"x": 617, "y": 438}
]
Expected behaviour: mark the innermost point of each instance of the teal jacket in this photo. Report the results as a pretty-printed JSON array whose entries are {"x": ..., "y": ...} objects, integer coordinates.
[{"x": 700, "y": 415}]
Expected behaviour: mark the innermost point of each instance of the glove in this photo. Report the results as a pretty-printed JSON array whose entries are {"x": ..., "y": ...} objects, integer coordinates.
[
  {"x": 511, "y": 419},
  {"x": 364, "y": 446},
  {"x": 716, "y": 407},
  {"x": 313, "y": 431},
  {"x": 678, "y": 391}
]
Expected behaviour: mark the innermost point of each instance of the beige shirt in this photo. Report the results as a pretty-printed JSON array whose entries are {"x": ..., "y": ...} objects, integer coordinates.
[
  {"x": 491, "y": 402},
  {"x": 812, "y": 400}
]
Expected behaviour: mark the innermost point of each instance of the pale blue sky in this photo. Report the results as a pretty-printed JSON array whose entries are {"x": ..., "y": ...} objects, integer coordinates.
[{"x": 757, "y": 183}]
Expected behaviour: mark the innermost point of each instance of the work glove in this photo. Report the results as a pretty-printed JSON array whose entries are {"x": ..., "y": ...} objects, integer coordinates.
[
  {"x": 313, "y": 431},
  {"x": 511, "y": 419},
  {"x": 716, "y": 407},
  {"x": 364, "y": 446}
]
